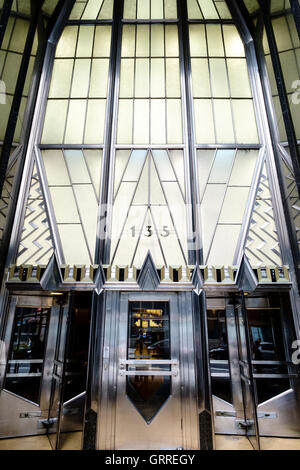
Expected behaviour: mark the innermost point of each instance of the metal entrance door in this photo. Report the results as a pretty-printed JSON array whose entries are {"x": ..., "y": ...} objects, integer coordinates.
[
  {"x": 150, "y": 374},
  {"x": 27, "y": 355},
  {"x": 246, "y": 374},
  {"x": 255, "y": 384}
]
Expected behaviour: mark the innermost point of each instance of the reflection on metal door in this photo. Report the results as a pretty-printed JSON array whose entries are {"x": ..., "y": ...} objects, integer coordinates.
[
  {"x": 26, "y": 373},
  {"x": 246, "y": 374},
  {"x": 155, "y": 389}
]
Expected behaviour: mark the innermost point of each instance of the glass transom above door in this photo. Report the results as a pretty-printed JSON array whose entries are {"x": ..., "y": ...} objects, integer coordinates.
[{"x": 149, "y": 211}]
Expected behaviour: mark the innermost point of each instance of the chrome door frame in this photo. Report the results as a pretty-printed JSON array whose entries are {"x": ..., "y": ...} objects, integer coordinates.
[
  {"x": 117, "y": 302},
  {"x": 29, "y": 416}
]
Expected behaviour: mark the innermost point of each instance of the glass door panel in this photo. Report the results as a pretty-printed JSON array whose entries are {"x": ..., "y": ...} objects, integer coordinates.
[{"x": 27, "y": 352}]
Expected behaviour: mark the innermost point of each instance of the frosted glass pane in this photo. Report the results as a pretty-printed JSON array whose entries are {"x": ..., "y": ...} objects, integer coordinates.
[
  {"x": 205, "y": 160},
  {"x": 121, "y": 206},
  {"x": 271, "y": 75},
  {"x": 88, "y": 208},
  {"x": 99, "y": 78},
  {"x": 143, "y": 9},
  {"x": 198, "y": 45},
  {"x": 157, "y": 9},
  {"x": 2, "y": 58},
  {"x": 176, "y": 157},
  {"x": 293, "y": 30},
  {"x": 210, "y": 211},
  {"x": 200, "y": 78},
  {"x": 174, "y": 122},
  {"x": 234, "y": 206},
  {"x": 193, "y": 10},
  {"x": 204, "y": 123},
  {"x": 223, "y": 10},
  {"x": 85, "y": 41},
  {"x": 172, "y": 46},
  {"x": 61, "y": 78},
  {"x": 239, "y": 78},
  {"x": 94, "y": 129},
  {"x": 74, "y": 245},
  {"x": 280, "y": 122},
  {"x": 75, "y": 122},
  {"x": 163, "y": 165},
  {"x": 20, "y": 120},
  {"x": 233, "y": 44},
  {"x": 245, "y": 124},
  {"x": 214, "y": 40},
  {"x": 289, "y": 69},
  {"x": 55, "y": 166},
  {"x": 142, "y": 78},
  {"x": 128, "y": 41},
  {"x": 142, "y": 40},
  {"x": 11, "y": 70},
  {"x": 5, "y": 110},
  {"x": 223, "y": 120},
  {"x": 282, "y": 35},
  {"x": 170, "y": 9},
  {"x": 219, "y": 81},
  {"x": 77, "y": 167},
  {"x": 177, "y": 208},
  {"x": 129, "y": 9},
  {"x": 141, "y": 122},
  {"x": 81, "y": 78},
  {"x": 208, "y": 9},
  {"x": 124, "y": 134},
  {"x": 54, "y": 124},
  {"x": 106, "y": 10},
  {"x": 157, "y": 78},
  {"x": 92, "y": 9},
  {"x": 18, "y": 38},
  {"x": 94, "y": 163},
  {"x": 156, "y": 192},
  {"x": 8, "y": 31},
  {"x": 157, "y": 40},
  {"x": 64, "y": 205},
  {"x": 243, "y": 168},
  {"x": 135, "y": 165},
  {"x": 67, "y": 43},
  {"x": 295, "y": 116},
  {"x": 102, "y": 41},
  {"x": 173, "y": 78},
  {"x": 170, "y": 245},
  {"x": 158, "y": 122},
  {"x": 224, "y": 245},
  {"x": 122, "y": 157},
  {"x": 222, "y": 166},
  {"x": 127, "y": 78},
  {"x": 77, "y": 11},
  {"x": 127, "y": 244}
]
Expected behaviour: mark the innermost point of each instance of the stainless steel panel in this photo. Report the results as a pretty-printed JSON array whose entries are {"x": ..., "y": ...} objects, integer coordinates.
[
  {"x": 286, "y": 423},
  {"x": 120, "y": 426}
]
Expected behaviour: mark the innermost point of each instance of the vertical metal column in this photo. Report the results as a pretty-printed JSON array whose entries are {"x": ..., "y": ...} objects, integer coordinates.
[{"x": 102, "y": 243}]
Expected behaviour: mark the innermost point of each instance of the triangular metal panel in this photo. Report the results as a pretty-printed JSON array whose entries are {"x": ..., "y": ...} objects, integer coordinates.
[
  {"x": 52, "y": 278},
  {"x": 245, "y": 279},
  {"x": 99, "y": 280},
  {"x": 197, "y": 280},
  {"x": 148, "y": 278}
]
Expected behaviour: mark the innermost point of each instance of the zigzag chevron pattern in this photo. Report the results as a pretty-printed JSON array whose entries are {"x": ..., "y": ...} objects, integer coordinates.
[
  {"x": 5, "y": 197},
  {"x": 293, "y": 199},
  {"x": 262, "y": 245},
  {"x": 36, "y": 244}
]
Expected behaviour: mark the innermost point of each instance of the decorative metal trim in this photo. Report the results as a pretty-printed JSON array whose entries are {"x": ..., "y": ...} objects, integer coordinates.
[
  {"x": 188, "y": 278},
  {"x": 148, "y": 278}
]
